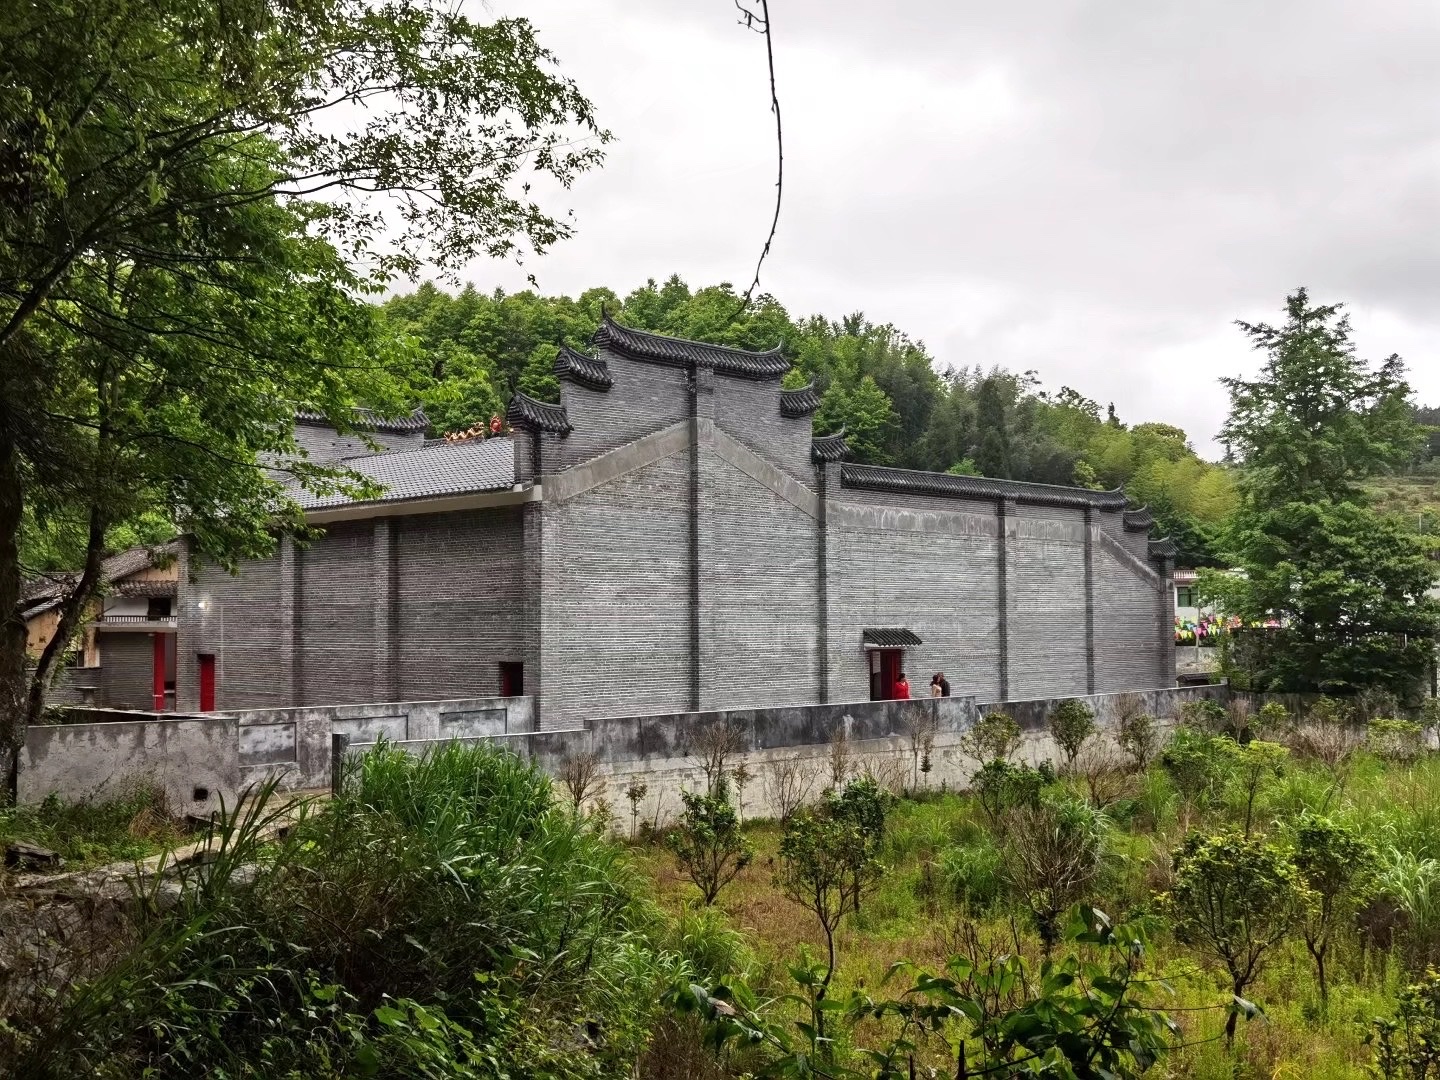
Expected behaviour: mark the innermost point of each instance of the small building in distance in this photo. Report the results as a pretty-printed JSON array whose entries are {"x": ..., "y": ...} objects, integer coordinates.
[
  {"x": 125, "y": 656},
  {"x": 670, "y": 536}
]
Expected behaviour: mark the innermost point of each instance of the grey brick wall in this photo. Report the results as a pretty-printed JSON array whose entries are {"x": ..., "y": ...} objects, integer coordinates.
[
  {"x": 942, "y": 583},
  {"x": 644, "y": 398},
  {"x": 1047, "y": 602},
  {"x": 460, "y": 602},
  {"x": 615, "y": 598},
  {"x": 750, "y": 411},
  {"x": 335, "y": 643},
  {"x": 240, "y": 625},
  {"x": 758, "y": 595},
  {"x": 1125, "y": 637}
]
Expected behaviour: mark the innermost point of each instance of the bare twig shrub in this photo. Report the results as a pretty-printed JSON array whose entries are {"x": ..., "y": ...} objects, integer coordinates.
[
  {"x": 1050, "y": 857},
  {"x": 713, "y": 746},
  {"x": 741, "y": 776},
  {"x": 789, "y": 783},
  {"x": 1108, "y": 778},
  {"x": 1329, "y": 737},
  {"x": 922, "y": 729},
  {"x": 887, "y": 772},
  {"x": 580, "y": 776},
  {"x": 842, "y": 762},
  {"x": 636, "y": 791}
]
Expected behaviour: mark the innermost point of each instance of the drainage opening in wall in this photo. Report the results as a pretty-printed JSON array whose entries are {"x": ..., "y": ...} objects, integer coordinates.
[{"x": 201, "y": 794}]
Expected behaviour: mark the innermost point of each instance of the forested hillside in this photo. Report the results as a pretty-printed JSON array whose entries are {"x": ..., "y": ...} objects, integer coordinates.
[{"x": 897, "y": 405}]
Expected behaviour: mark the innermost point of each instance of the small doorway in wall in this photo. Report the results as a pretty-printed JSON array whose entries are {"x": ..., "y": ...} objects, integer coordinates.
[
  {"x": 205, "y": 664},
  {"x": 885, "y": 668},
  {"x": 512, "y": 679}
]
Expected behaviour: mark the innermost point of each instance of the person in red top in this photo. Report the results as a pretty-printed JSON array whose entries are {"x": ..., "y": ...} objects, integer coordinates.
[{"x": 902, "y": 687}]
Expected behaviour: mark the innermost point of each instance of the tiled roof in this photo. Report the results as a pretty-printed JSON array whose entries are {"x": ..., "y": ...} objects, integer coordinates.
[
  {"x": 801, "y": 402},
  {"x": 1138, "y": 520},
  {"x": 829, "y": 447},
  {"x": 45, "y": 591},
  {"x": 588, "y": 371},
  {"x": 890, "y": 637},
  {"x": 525, "y": 411},
  {"x": 944, "y": 485},
  {"x": 370, "y": 421},
  {"x": 429, "y": 471},
  {"x": 1163, "y": 549},
  {"x": 677, "y": 352}
]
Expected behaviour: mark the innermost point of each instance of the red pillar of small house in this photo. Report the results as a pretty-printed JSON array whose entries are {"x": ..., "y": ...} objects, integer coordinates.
[{"x": 157, "y": 663}]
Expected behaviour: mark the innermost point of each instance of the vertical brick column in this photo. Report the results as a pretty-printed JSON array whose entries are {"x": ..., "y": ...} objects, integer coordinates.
[
  {"x": 1005, "y": 574},
  {"x": 288, "y": 674},
  {"x": 385, "y": 638},
  {"x": 827, "y": 480},
  {"x": 1091, "y": 525},
  {"x": 1166, "y": 605},
  {"x": 532, "y": 523},
  {"x": 702, "y": 562}
]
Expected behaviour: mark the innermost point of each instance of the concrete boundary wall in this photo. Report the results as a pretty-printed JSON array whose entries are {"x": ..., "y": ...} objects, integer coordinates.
[
  {"x": 221, "y": 755},
  {"x": 195, "y": 759}
]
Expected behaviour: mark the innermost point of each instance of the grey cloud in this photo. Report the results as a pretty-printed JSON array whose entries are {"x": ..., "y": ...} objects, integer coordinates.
[{"x": 1094, "y": 190}]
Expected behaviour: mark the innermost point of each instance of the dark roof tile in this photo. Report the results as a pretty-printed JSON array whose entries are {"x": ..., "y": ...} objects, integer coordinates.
[
  {"x": 524, "y": 411},
  {"x": 1163, "y": 549},
  {"x": 677, "y": 352},
  {"x": 799, "y": 402},
  {"x": 1138, "y": 520},
  {"x": 588, "y": 371},
  {"x": 829, "y": 447},
  {"x": 890, "y": 637},
  {"x": 944, "y": 485},
  {"x": 369, "y": 420},
  {"x": 430, "y": 471}
]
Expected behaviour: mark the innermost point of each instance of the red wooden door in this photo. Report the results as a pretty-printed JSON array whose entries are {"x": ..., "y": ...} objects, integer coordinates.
[
  {"x": 157, "y": 670},
  {"x": 207, "y": 681},
  {"x": 890, "y": 671}
]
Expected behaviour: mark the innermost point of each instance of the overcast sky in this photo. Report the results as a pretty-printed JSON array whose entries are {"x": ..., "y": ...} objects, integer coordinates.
[{"x": 1092, "y": 190}]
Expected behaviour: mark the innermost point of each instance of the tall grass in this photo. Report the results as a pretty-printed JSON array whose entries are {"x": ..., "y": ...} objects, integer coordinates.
[{"x": 438, "y": 915}]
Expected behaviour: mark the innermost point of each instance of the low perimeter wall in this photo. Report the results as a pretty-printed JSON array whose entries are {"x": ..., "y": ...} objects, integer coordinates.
[
  {"x": 200, "y": 759},
  {"x": 195, "y": 759},
  {"x": 218, "y": 756}
]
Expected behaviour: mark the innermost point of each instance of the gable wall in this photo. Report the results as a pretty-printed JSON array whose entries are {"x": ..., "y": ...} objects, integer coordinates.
[
  {"x": 759, "y": 593},
  {"x": 615, "y": 597}
]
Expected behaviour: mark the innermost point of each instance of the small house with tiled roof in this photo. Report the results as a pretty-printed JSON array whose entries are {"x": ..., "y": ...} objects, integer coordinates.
[{"x": 672, "y": 536}]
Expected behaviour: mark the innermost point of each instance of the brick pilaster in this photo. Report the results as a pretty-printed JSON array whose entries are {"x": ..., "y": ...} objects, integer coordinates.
[{"x": 1091, "y": 525}]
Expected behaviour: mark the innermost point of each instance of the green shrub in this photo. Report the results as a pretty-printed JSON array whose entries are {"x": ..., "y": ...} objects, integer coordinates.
[
  {"x": 1198, "y": 766},
  {"x": 710, "y": 950},
  {"x": 1001, "y": 787},
  {"x": 1395, "y": 740},
  {"x": 971, "y": 873},
  {"x": 134, "y": 822},
  {"x": 993, "y": 737},
  {"x": 1206, "y": 716},
  {"x": 1139, "y": 737},
  {"x": 437, "y": 917},
  {"x": 707, "y": 842},
  {"x": 1071, "y": 723}
]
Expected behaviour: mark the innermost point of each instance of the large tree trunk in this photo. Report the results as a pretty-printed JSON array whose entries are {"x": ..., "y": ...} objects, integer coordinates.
[{"x": 12, "y": 628}]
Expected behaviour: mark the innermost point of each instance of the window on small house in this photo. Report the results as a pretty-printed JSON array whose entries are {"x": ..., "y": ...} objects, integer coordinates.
[
  {"x": 1185, "y": 596},
  {"x": 512, "y": 679},
  {"x": 158, "y": 607}
]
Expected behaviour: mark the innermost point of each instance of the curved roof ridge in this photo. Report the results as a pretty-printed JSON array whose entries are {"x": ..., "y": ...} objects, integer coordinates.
[
  {"x": 369, "y": 419},
  {"x": 1164, "y": 548},
  {"x": 678, "y": 352},
  {"x": 1139, "y": 520},
  {"x": 802, "y": 401},
  {"x": 829, "y": 447},
  {"x": 525, "y": 411},
  {"x": 912, "y": 481},
  {"x": 589, "y": 371}
]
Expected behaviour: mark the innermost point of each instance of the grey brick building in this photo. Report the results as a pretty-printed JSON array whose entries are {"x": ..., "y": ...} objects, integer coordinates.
[{"x": 672, "y": 537}]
